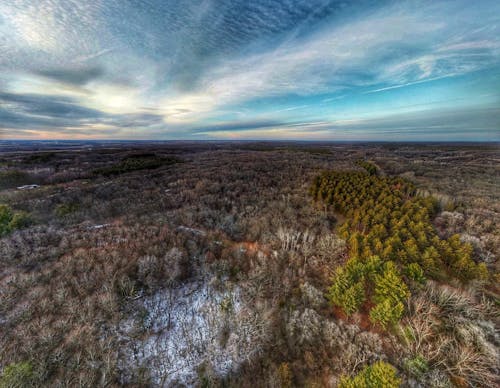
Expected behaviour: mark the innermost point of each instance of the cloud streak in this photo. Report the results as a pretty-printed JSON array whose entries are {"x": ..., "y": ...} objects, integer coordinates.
[{"x": 188, "y": 68}]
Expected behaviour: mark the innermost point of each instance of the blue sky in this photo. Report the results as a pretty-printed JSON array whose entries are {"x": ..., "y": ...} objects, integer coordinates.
[{"x": 234, "y": 69}]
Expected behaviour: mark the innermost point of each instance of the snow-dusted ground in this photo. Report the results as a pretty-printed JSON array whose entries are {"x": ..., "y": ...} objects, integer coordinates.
[{"x": 188, "y": 327}]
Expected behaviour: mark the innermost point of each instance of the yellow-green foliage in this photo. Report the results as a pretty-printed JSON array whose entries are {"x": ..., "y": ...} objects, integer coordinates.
[
  {"x": 386, "y": 313},
  {"x": 387, "y": 219},
  {"x": 378, "y": 375},
  {"x": 348, "y": 288},
  {"x": 369, "y": 167},
  {"x": 382, "y": 282},
  {"x": 389, "y": 285},
  {"x": 389, "y": 296},
  {"x": 416, "y": 366},
  {"x": 10, "y": 220},
  {"x": 415, "y": 272},
  {"x": 17, "y": 375}
]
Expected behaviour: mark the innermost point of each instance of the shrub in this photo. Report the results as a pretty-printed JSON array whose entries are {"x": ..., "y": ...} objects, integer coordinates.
[
  {"x": 386, "y": 313},
  {"x": 458, "y": 257},
  {"x": 20, "y": 220},
  {"x": 390, "y": 293},
  {"x": 65, "y": 209},
  {"x": 5, "y": 219},
  {"x": 448, "y": 327},
  {"x": 415, "y": 272},
  {"x": 10, "y": 220},
  {"x": 416, "y": 366},
  {"x": 380, "y": 374},
  {"x": 17, "y": 375},
  {"x": 348, "y": 288},
  {"x": 390, "y": 286}
]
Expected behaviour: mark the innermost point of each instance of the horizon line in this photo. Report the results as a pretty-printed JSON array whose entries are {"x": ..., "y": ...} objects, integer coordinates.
[{"x": 249, "y": 140}]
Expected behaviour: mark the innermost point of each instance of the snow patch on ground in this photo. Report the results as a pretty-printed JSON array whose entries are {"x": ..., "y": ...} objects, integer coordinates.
[{"x": 182, "y": 329}]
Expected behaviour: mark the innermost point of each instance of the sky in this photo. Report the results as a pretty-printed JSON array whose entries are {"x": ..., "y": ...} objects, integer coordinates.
[{"x": 364, "y": 70}]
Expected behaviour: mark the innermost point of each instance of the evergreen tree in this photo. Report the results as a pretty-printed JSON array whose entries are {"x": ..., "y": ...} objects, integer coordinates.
[{"x": 378, "y": 375}]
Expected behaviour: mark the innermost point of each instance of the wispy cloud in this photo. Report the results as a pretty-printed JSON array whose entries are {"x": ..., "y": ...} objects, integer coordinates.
[
  {"x": 475, "y": 124},
  {"x": 73, "y": 76},
  {"x": 173, "y": 68},
  {"x": 392, "y": 45},
  {"x": 409, "y": 84}
]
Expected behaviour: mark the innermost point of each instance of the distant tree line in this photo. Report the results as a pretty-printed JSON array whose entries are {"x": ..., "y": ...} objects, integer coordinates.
[{"x": 135, "y": 163}]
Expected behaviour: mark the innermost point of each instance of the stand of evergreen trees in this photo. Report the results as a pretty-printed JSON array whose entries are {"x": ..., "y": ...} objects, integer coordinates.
[{"x": 392, "y": 243}]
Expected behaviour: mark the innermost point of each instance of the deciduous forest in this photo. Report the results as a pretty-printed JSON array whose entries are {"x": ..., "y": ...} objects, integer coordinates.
[{"x": 249, "y": 264}]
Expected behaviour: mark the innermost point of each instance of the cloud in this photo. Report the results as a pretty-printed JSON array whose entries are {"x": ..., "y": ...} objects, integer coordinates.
[
  {"x": 43, "y": 110},
  {"x": 54, "y": 113},
  {"x": 390, "y": 48},
  {"x": 73, "y": 76},
  {"x": 91, "y": 56},
  {"x": 482, "y": 124},
  {"x": 175, "y": 68},
  {"x": 409, "y": 84},
  {"x": 239, "y": 126}
]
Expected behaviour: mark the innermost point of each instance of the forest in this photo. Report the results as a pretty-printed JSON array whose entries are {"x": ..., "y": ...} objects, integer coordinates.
[
  {"x": 389, "y": 233},
  {"x": 273, "y": 264}
]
